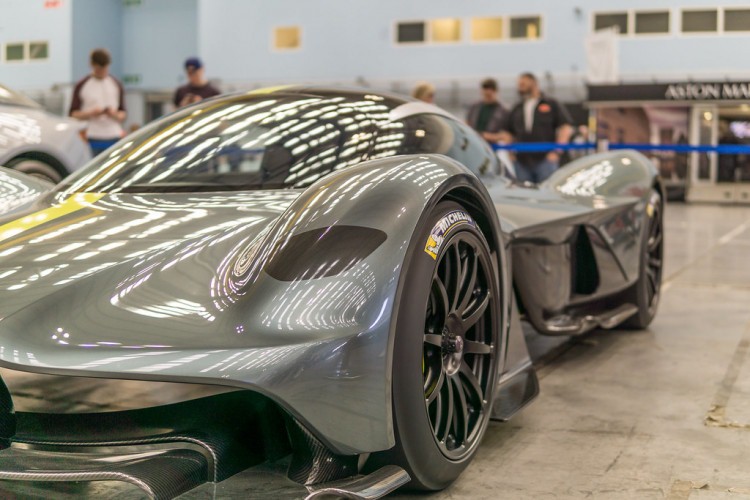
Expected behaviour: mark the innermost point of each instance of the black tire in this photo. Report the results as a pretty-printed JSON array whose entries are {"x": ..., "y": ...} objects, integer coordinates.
[
  {"x": 438, "y": 356},
  {"x": 36, "y": 168},
  {"x": 647, "y": 290}
]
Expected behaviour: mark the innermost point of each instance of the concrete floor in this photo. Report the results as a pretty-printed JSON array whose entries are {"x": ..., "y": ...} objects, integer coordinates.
[{"x": 661, "y": 413}]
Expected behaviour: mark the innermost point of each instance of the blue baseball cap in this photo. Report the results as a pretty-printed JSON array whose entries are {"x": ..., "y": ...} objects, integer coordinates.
[{"x": 193, "y": 62}]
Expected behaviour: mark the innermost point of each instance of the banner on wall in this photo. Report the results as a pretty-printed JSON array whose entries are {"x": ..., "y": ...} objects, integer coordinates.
[{"x": 602, "y": 57}]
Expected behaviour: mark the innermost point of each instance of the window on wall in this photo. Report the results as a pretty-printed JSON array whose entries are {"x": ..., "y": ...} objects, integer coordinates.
[
  {"x": 410, "y": 32},
  {"x": 700, "y": 21},
  {"x": 651, "y": 22},
  {"x": 485, "y": 29},
  {"x": 526, "y": 27},
  {"x": 608, "y": 20},
  {"x": 736, "y": 20},
  {"x": 38, "y": 51},
  {"x": 287, "y": 38},
  {"x": 15, "y": 51},
  {"x": 445, "y": 30}
]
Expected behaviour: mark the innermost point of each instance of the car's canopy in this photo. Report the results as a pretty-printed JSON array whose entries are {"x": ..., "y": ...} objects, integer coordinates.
[{"x": 279, "y": 139}]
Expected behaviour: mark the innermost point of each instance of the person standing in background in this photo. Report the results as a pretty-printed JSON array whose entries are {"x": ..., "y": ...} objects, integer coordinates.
[
  {"x": 488, "y": 115},
  {"x": 537, "y": 118},
  {"x": 424, "y": 92},
  {"x": 197, "y": 88},
  {"x": 579, "y": 136},
  {"x": 100, "y": 99}
]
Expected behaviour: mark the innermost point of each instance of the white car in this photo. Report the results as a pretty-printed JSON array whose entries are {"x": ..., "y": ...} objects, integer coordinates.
[{"x": 36, "y": 142}]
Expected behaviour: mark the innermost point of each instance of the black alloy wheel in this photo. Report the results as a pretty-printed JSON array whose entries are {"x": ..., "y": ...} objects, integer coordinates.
[
  {"x": 458, "y": 347},
  {"x": 646, "y": 292},
  {"x": 654, "y": 252},
  {"x": 446, "y": 350}
]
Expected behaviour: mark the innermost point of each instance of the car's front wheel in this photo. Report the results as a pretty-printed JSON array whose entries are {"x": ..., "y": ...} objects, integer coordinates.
[{"x": 445, "y": 354}]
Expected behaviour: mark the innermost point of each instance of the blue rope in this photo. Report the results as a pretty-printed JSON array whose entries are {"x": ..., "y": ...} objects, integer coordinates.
[{"x": 543, "y": 147}]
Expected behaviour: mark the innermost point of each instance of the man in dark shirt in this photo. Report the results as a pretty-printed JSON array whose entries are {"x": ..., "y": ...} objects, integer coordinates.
[
  {"x": 487, "y": 116},
  {"x": 197, "y": 87},
  {"x": 537, "y": 118}
]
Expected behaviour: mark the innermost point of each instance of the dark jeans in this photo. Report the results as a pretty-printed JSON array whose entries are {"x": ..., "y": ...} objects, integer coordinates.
[
  {"x": 534, "y": 173},
  {"x": 99, "y": 145}
]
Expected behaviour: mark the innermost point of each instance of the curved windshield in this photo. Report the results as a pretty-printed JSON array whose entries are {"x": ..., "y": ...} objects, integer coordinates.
[
  {"x": 8, "y": 96},
  {"x": 433, "y": 133},
  {"x": 249, "y": 141}
]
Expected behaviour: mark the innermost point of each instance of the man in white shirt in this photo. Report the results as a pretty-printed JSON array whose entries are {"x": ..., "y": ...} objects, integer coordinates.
[{"x": 99, "y": 98}]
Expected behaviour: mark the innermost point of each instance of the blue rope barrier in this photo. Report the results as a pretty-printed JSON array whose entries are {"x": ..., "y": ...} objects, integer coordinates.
[
  {"x": 722, "y": 149},
  {"x": 542, "y": 147}
]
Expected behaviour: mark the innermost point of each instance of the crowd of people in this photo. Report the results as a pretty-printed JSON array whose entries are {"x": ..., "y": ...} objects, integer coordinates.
[
  {"x": 99, "y": 99},
  {"x": 535, "y": 118}
]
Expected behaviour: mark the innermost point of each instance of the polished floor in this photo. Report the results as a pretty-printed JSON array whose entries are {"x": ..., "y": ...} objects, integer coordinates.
[{"x": 661, "y": 413}]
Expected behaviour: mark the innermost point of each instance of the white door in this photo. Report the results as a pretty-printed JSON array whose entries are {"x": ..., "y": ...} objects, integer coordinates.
[{"x": 704, "y": 131}]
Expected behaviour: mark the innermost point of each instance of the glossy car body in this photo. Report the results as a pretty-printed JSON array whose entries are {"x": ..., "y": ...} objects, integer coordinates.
[
  {"x": 29, "y": 133},
  {"x": 281, "y": 271}
]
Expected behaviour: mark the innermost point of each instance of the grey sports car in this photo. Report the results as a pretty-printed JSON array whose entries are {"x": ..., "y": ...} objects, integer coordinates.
[
  {"x": 36, "y": 142},
  {"x": 332, "y": 276}
]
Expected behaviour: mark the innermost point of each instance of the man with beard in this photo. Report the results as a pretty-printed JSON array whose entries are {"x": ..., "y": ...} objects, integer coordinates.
[{"x": 537, "y": 118}]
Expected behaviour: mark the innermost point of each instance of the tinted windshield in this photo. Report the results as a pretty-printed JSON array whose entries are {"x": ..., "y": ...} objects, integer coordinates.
[
  {"x": 8, "y": 96},
  {"x": 250, "y": 141},
  {"x": 433, "y": 133}
]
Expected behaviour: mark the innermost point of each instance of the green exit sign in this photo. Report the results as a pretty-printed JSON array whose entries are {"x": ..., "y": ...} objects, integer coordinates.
[
  {"x": 131, "y": 79},
  {"x": 131, "y": 3}
]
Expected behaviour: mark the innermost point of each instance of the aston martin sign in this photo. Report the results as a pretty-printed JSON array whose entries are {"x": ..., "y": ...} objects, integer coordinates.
[
  {"x": 684, "y": 91},
  {"x": 707, "y": 91}
]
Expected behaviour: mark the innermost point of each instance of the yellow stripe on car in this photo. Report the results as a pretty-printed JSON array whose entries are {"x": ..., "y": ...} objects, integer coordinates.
[{"x": 73, "y": 204}]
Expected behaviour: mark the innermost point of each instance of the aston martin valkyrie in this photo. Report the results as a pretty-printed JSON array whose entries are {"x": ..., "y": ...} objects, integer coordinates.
[{"x": 331, "y": 277}]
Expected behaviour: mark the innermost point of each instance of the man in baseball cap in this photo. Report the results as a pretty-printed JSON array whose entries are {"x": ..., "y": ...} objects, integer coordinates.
[{"x": 197, "y": 87}]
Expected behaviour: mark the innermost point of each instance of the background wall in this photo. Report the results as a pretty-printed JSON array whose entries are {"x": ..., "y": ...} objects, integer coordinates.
[
  {"x": 95, "y": 23},
  {"x": 347, "y": 42},
  {"x": 158, "y": 36},
  {"x": 344, "y": 40},
  {"x": 24, "y": 21}
]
